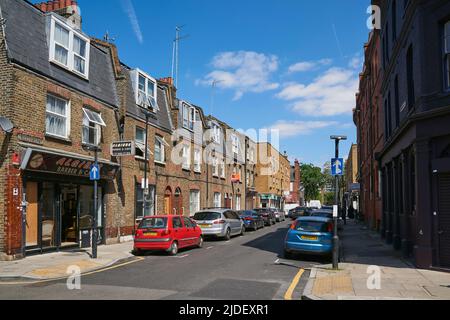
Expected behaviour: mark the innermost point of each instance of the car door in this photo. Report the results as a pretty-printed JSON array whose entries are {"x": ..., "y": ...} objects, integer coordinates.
[
  {"x": 191, "y": 236},
  {"x": 179, "y": 231},
  {"x": 236, "y": 221}
]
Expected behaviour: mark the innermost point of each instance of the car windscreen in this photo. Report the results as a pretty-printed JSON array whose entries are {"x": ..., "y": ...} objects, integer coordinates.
[
  {"x": 202, "y": 216},
  {"x": 311, "y": 226},
  {"x": 153, "y": 223}
]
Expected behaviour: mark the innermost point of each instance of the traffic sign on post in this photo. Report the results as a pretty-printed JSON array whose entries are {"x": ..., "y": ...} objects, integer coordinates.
[
  {"x": 337, "y": 167},
  {"x": 94, "y": 174}
]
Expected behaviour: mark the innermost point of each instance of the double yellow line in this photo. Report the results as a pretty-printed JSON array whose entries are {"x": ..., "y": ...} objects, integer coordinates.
[{"x": 294, "y": 283}]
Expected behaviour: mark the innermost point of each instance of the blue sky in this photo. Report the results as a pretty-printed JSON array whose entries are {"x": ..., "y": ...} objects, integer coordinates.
[{"x": 287, "y": 64}]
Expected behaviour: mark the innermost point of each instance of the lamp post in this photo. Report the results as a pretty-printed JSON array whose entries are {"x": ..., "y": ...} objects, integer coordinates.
[
  {"x": 336, "y": 139},
  {"x": 145, "y": 191}
]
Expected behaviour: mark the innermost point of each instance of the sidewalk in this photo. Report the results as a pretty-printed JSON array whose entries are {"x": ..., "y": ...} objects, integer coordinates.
[
  {"x": 399, "y": 279},
  {"x": 55, "y": 265}
]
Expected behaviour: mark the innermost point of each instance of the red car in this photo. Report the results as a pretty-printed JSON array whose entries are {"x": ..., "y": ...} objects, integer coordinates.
[{"x": 169, "y": 233}]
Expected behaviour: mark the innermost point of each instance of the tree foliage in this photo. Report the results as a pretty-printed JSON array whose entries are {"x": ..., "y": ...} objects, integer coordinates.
[{"x": 313, "y": 180}]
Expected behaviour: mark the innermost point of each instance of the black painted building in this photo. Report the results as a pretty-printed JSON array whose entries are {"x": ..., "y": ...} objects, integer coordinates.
[{"x": 415, "y": 160}]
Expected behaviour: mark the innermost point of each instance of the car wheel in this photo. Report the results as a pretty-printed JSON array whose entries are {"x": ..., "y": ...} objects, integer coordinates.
[
  {"x": 173, "y": 250},
  {"x": 256, "y": 227},
  {"x": 200, "y": 242},
  {"x": 137, "y": 252},
  {"x": 228, "y": 234},
  {"x": 243, "y": 231}
]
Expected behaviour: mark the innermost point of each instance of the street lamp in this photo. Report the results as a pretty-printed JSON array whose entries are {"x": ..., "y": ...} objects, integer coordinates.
[
  {"x": 145, "y": 191},
  {"x": 336, "y": 139}
]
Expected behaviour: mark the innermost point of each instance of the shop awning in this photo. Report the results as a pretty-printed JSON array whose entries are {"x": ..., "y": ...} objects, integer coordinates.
[{"x": 54, "y": 161}]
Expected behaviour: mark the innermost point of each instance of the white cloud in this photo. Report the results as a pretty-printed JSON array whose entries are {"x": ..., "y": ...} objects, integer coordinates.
[
  {"x": 242, "y": 71},
  {"x": 331, "y": 93},
  {"x": 308, "y": 65},
  {"x": 129, "y": 10},
  {"x": 356, "y": 62},
  {"x": 289, "y": 129}
]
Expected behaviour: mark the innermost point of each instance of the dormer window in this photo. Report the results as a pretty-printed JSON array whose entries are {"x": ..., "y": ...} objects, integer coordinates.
[
  {"x": 145, "y": 88},
  {"x": 216, "y": 133},
  {"x": 69, "y": 48},
  {"x": 189, "y": 116}
]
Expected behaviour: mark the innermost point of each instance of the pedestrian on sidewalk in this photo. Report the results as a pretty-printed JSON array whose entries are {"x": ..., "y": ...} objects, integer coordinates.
[{"x": 351, "y": 212}]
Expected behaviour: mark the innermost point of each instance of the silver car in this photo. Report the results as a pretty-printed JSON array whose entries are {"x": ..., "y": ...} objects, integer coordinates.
[{"x": 222, "y": 223}]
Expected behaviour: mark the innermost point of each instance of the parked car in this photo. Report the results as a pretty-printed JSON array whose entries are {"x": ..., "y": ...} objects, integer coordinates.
[
  {"x": 299, "y": 212},
  {"x": 328, "y": 214},
  {"x": 279, "y": 215},
  {"x": 252, "y": 220},
  {"x": 222, "y": 223},
  {"x": 315, "y": 204},
  {"x": 168, "y": 233},
  {"x": 267, "y": 215},
  {"x": 309, "y": 235}
]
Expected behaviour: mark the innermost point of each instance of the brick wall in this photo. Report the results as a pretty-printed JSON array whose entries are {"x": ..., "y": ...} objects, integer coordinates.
[{"x": 5, "y": 95}]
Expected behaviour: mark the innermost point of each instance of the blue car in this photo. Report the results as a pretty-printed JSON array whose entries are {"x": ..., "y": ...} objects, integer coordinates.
[
  {"x": 310, "y": 235},
  {"x": 252, "y": 220}
]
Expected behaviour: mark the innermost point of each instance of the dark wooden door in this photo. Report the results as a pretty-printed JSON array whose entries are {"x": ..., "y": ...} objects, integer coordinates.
[{"x": 444, "y": 219}]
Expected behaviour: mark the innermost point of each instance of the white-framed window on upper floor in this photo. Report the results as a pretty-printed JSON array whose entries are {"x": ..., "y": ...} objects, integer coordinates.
[
  {"x": 69, "y": 48},
  {"x": 57, "y": 117},
  {"x": 190, "y": 115},
  {"x": 92, "y": 127},
  {"x": 447, "y": 54},
  {"x": 215, "y": 165},
  {"x": 216, "y": 133},
  {"x": 145, "y": 89},
  {"x": 186, "y": 153},
  {"x": 197, "y": 160},
  {"x": 235, "y": 144},
  {"x": 160, "y": 149},
  {"x": 140, "y": 144}
]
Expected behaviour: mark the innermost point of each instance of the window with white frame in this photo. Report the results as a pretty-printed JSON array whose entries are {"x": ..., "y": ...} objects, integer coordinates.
[
  {"x": 57, "y": 119},
  {"x": 197, "y": 160},
  {"x": 92, "y": 127},
  {"x": 447, "y": 53},
  {"x": 189, "y": 116},
  {"x": 186, "y": 157},
  {"x": 160, "y": 149},
  {"x": 234, "y": 144},
  {"x": 145, "y": 90},
  {"x": 217, "y": 200},
  {"x": 215, "y": 163},
  {"x": 238, "y": 202},
  {"x": 140, "y": 144},
  {"x": 216, "y": 133},
  {"x": 222, "y": 169},
  {"x": 194, "y": 202},
  {"x": 69, "y": 48}
]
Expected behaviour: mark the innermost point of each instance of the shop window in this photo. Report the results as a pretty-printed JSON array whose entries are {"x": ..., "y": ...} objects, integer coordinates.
[
  {"x": 87, "y": 207},
  {"x": 57, "y": 121}
]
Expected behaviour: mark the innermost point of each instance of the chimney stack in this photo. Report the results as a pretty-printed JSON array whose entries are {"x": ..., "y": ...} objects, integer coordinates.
[{"x": 66, "y": 8}]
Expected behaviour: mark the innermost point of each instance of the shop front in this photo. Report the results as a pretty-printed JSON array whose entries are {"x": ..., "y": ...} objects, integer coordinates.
[{"x": 59, "y": 198}]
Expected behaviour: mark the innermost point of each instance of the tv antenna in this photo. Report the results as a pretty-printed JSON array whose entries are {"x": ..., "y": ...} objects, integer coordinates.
[
  {"x": 213, "y": 91},
  {"x": 175, "y": 53},
  {"x": 107, "y": 37}
]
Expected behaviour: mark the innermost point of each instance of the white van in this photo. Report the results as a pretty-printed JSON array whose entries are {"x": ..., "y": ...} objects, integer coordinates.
[{"x": 315, "y": 204}]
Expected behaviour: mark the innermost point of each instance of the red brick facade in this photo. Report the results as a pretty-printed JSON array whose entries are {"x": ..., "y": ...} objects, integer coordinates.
[{"x": 368, "y": 117}]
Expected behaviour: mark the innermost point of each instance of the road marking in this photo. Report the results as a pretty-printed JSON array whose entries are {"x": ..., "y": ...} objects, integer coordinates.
[
  {"x": 209, "y": 248},
  {"x": 137, "y": 259},
  {"x": 277, "y": 261},
  {"x": 181, "y": 257},
  {"x": 290, "y": 290}
]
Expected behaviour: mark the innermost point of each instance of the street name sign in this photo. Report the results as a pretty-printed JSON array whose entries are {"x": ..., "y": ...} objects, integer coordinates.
[
  {"x": 337, "y": 167},
  {"x": 123, "y": 148}
]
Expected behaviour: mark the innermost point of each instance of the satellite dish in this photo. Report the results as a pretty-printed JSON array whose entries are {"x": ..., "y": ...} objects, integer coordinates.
[{"x": 6, "y": 125}]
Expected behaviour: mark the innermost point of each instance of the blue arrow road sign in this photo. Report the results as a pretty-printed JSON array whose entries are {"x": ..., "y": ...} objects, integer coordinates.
[
  {"x": 337, "y": 167},
  {"x": 94, "y": 173}
]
